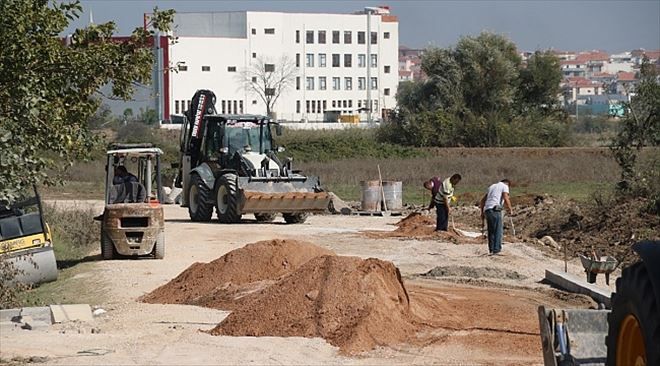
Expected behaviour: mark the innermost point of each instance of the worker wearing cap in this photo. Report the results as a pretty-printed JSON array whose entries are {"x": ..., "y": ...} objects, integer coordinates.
[
  {"x": 442, "y": 195},
  {"x": 491, "y": 206}
]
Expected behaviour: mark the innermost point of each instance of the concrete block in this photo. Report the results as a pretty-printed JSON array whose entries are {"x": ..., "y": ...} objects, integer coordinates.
[
  {"x": 577, "y": 285},
  {"x": 40, "y": 313},
  {"x": 65, "y": 313}
]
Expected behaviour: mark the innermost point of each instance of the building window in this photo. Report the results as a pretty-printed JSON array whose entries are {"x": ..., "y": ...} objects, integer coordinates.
[
  {"x": 387, "y": 69},
  {"x": 269, "y": 67},
  {"x": 307, "y": 105},
  {"x": 297, "y": 36},
  {"x": 325, "y": 105},
  {"x": 348, "y": 60},
  {"x": 361, "y": 38},
  {"x": 344, "y": 104},
  {"x": 334, "y": 104},
  {"x": 386, "y": 35},
  {"x": 374, "y": 37},
  {"x": 254, "y": 102},
  {"x": 297, "y": 60},
  {"x": 362, "y": 83},
  {"x": 313, "y": 106},
  {"x": 386, "y": 91},
  {"x": 321, "y": 59},
  {"x": 231, "y": 68},
  {"x": 240, "y": 106},
  {"x": 269, "y": 30},
  {"x": 254, "y": 30},
  {"x": 310, "y": 83},
  {"x": 235, "y": 109},
  {"x": 298, "y": 83},
  {"x": 224, "y": 107},
  {"x": 297, "y": 106},
  {"x": 336, "y": 84},
  {"x": 309, "y": 60},
  {"x": 335, "y": 37},
  {"x": 229, "y": 106},
  {"x": 176, "y": 107},
  {"x": 310, "y": 37},
  {"x": 374, "y": 60},
  {"x": 189, "y": 101},
  {"x": 335, "y": 60},
  {"x": 348, "y": 35},
  {"x": 362, "y": 60},
  {"x": 254, "y": 55},
  {"x": 350, "y": 103},
  {"x": 348, "y": 83},
  {"x": 374, "y": 83},
  {"x": 322, "y": 37},
  {"x": 254, "y": 79},
  {"x": 322, "y": 83},
  {"x": 359, "y": 103},
  {"x": 183, "y": 68},
  {"x": 206, "y": 68}
]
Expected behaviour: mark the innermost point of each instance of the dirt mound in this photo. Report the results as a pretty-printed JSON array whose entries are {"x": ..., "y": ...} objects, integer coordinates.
[
  {"x": 239, "y": 272},
  {"x": 354, "y": 304},
  {"x": 420, "y": 226},
  {"x": 474, "y": 272},
  {"x": 608, "y": 227}
]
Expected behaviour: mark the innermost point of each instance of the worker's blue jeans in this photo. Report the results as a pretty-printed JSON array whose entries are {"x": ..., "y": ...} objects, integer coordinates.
[
  {"x": 495, "y": 230},
  {"x": 442, "y": 214}
]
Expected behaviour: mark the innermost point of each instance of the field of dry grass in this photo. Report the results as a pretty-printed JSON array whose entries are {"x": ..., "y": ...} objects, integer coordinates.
[{"x": 570, "y": 172}]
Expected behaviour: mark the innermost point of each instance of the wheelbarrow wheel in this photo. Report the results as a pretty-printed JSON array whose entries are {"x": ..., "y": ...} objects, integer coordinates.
[{"x": 591, "y": 277}]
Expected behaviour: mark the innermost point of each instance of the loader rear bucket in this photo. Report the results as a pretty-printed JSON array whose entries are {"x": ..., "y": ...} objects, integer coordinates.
[{"x": 286, "y": 196}]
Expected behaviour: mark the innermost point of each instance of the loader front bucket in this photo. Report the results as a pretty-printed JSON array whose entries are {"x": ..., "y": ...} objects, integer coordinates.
[{"x": 285, "y": 196}]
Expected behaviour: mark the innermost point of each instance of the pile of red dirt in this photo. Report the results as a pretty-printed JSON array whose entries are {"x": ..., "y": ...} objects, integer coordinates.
[
  {"x": 354, "y": 304},
  {"x": 239, "y": 272},
  {"x": 419, "y": 226}
]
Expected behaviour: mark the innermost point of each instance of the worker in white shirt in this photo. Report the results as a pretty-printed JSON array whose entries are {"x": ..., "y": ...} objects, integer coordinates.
[{"x": 491, "y": 206}]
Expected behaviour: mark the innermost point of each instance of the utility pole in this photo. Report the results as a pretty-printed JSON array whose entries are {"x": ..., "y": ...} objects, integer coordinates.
[{"x": 368, "y": 61}]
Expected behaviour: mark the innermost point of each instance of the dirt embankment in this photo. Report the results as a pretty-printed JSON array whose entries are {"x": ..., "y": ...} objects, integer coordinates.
[
  {"x": 220, "y": 283},
  {"x": 290, "y": 288},
  {"x": 422, "y": 226}
]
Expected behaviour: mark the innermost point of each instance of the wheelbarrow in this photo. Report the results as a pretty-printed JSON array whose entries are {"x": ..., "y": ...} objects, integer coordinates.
[{"x": 593, "y": 265}]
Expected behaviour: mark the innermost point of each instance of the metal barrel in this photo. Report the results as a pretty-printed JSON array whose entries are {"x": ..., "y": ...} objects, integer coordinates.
[
  {"x": 393, "y": 191},
  {"x": 371, "y": 195}
]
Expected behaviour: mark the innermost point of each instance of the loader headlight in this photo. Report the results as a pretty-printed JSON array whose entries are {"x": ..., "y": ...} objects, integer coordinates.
[
  {"x": 36, "y": 241},
  {"x": 224, "y": 150},
  {"x": 280, "y": 149}
]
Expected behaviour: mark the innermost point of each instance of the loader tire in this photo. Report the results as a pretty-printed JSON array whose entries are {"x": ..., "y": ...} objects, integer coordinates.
[
  {"x": 227, "y": 199},
  {"x": 265, "y": 216},
  {"x": 634, "y": 324},
  {"x": 159, "y": 247},
  {"x": 200, "y": 201},
  {"x": 295, "y": 218},
  {"x": 108, "y": 251}
]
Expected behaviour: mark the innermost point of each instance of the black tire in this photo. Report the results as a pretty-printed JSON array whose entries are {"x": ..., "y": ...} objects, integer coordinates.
[
  {"x": 265, "y": 216},
  {"x": 295, "y": 218},
  {"x": 634, "y": 296},
  {"x": 227, "y": 199},
  {"x": 108, "y": 251},
  {"x": 159, "y": 247},
  {"x": 200, "y": 200}
]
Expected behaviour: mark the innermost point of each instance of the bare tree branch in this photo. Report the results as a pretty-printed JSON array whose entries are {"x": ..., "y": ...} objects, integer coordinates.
[{"x": 268, "y": 80}]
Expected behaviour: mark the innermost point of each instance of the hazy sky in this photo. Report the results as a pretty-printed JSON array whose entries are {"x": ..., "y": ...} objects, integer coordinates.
[{"x": 613, "y": 26}]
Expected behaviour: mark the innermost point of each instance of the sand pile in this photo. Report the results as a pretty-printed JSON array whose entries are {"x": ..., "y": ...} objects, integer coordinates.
[
  {"x": 239, "y": 272},
  {"x": 354, "y": 304},
  {"x": 419, "y": 226}
]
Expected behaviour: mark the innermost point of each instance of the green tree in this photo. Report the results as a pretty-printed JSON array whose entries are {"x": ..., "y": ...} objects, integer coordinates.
[
  {"x": 640, "y": 128},
  {"x": 489, "y": 65},
  {"x": 539, "y": 82},
  {"x": 47, "y": 85}
]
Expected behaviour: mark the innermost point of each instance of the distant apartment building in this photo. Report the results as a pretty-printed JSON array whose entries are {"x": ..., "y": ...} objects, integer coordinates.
[
  {"x": 331, "y": 53},
  {"x": 410, "y": 64}
]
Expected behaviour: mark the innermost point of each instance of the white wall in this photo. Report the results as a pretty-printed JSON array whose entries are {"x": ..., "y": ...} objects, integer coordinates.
[{"x": 219, "y": 53}]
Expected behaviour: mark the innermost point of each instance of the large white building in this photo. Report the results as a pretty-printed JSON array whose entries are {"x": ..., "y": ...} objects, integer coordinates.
[{"x": 334, "y": 63}]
